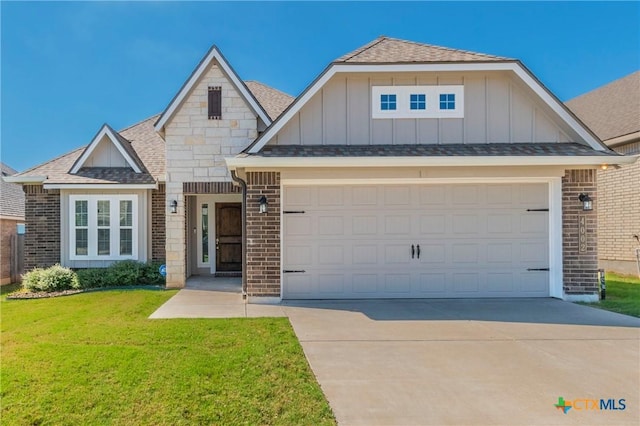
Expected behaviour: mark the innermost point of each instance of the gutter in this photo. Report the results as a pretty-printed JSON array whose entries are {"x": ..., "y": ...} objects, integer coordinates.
[
  {"x": 243, "y": 185},
  {"x": 24, "y": 179}
]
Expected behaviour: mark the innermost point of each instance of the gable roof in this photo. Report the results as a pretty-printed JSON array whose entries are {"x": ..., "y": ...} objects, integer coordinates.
[
  {"x": 121, "y": 144},
  {"x": 11, "y": 195},
  {"x": 143, "y": 140},
  {"x": 612, "y": 110},
  {"x": 392, "y": 50},
  {"x": 272, "y": 100},
  {"x": 386, "y": 56},
  {"x": 213, "y": 54}
]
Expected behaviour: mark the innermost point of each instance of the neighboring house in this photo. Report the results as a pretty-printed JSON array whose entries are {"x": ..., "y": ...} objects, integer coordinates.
[
  {"x": 613, "y": 113},
  {"x": 11, "y": 219},
  {"x": 404, "y": 170}
]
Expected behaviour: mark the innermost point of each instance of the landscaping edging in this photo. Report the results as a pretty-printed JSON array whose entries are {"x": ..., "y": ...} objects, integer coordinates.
[{"x": 45, "y": 295}]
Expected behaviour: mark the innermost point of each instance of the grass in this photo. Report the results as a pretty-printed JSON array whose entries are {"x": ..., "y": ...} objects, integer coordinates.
[
  {"x": 623, "y": 295},
  {"x": 95, "y": 358}
]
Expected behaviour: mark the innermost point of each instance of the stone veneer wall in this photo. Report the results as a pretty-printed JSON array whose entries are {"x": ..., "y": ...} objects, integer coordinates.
[
  {"x": 580, "y": 268},
  {"x": 42, "y": 230},
  {"x": 158, "y": 234},
  {"x": 619, "y": 215},
  {"x": 263, "y": 235},
  {"x": 195, "y": 151}
]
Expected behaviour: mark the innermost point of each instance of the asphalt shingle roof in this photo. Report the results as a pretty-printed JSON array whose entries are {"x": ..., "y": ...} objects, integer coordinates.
[
  {"x": 392, "y": 50},
  {"x": 141, "y": 141},
  {"x": 448, "y": 150},
  {"x": 272, "y": 100},
  {"x": 611, "y": 110},
  {"x": 11, "y": 195}
]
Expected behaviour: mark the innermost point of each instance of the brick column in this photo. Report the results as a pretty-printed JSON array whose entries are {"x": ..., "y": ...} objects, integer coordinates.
[
  {"x": 158, "y": 218},
  {"x": 263, "y": 235},
  {"x": 580, "y": 263},
  {"x": 42, "y": 230},
  {"x": 175, "y": 246}
]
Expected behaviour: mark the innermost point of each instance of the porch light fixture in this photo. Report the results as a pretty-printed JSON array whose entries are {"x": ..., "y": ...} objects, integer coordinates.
[
  {"x": 263, "y": 204},
  {"x": 587, "y": 202},
  {"x": 174, "y": 206}
]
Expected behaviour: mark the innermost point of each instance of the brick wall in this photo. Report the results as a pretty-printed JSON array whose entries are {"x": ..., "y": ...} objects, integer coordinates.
[
  {"x": 619, "y": 215},
  {"x": 158, "y": 234},
  {"x": 42, "y": 219},
  {"x": 580, "y": 268},
  {"x": 263, "y": 235}
]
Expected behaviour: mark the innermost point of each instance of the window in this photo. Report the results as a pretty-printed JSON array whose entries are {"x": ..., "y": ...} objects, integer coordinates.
[
  {"x": 447, "y": 101},
  {"x": 418, "y": 101},
  {"x": 103, "y": 227},
  {"x": 215, "y": 103},
  {"x": 387, "y": 102}
]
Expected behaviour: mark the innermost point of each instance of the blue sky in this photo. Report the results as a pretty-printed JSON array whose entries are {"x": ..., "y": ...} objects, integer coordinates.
[{"x": 68, "y": 67}]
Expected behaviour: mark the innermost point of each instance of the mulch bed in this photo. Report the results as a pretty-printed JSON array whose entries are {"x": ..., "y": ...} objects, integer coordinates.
[{"x": 43, "y": 295}]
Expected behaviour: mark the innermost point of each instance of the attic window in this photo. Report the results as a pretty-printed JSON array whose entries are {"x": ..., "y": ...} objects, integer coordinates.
[{"x": 215, "y": 103}]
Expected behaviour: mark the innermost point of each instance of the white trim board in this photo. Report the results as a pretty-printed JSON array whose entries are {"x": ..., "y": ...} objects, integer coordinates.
[
  {"x": 105, "y": 130},
  {"x": 513, "y": 66},
  {"x": 100, "y": 186},
  {"x": 257, "y": 162},
  {"x": 204, "y": 65}
]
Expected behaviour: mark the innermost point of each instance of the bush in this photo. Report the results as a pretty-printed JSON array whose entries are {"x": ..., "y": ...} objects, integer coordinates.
[
  {"x": 121, "y": 274},
  {"x": 54, "y": 278}
]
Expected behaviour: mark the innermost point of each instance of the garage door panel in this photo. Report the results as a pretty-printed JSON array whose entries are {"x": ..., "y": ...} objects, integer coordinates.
[
  {"x": 365, "y": 254},
  {"x": 432, "y": 283},
  {"x": 476, "y": 240},
  {"x": 297, "y": 196},
  {"x": 364, "y": 225},
  {"x": 365, "y": 285}
]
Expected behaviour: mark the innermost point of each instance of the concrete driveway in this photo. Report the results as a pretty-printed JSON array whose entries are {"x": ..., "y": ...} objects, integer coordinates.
[{"x": 468, "y": 362}]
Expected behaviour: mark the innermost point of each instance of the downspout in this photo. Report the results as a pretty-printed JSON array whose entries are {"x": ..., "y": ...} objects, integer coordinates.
[{"x": 243, "y": 185}]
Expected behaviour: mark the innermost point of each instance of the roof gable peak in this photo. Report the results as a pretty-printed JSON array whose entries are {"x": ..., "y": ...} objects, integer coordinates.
[
  {"x": 205, "y": 63},
  {"x": 122, "y": 145}
]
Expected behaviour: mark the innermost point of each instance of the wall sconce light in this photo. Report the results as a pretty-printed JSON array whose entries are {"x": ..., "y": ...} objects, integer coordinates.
[
  {"x": 174, "y": 206},
  {"x": 263, "y": 204},
  {"x": 587, "y": 202}
]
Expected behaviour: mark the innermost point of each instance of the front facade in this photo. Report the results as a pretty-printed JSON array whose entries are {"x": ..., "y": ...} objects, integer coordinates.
[
  {"x": 613, "y": 112},
  {"x": 403, "y": 171}
]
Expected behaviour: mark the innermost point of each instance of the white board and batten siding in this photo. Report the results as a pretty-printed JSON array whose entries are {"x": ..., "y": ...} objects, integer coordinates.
[
  {"x": 361, "y": 241},
  {"x": 497, "y": 109}
]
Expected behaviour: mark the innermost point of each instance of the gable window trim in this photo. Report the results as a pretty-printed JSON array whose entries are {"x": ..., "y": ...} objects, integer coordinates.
[{"x": 98, "y": 230}]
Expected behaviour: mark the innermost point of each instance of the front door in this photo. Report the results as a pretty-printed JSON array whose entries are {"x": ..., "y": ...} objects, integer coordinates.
[{"x": 228, "y": 237}]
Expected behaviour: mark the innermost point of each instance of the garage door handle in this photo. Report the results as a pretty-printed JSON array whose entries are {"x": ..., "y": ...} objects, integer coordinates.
[
  {"x": 293, "y": 271},
  {"x": 413, "y": 251},
  {"x": 537, "y": 269},
  {"x": 418, "y": 247}
]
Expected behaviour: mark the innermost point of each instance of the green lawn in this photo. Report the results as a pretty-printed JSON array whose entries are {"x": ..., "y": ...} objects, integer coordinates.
[
  {"x": 623, "y": 295},
  {"x": 95, "y": 358}
]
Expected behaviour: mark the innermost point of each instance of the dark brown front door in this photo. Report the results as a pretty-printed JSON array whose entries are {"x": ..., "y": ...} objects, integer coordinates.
[{"x": 228, "y": 237}]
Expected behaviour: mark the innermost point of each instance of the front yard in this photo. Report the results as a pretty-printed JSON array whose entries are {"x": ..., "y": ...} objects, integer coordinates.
[
  {"x": 95, "y": 358},
  {"x": 623, "y": 295}
]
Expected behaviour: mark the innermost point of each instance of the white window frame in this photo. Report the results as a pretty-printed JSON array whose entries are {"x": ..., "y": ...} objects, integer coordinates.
[
  {"x": 114, "y": 226},
  {"x": 403, "y": 101}
]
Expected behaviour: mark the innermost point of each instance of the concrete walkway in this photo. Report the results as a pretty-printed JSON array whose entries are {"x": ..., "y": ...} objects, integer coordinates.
[
  {"x": 208, "y": 297},
  {"x": 453, "y": 362}
]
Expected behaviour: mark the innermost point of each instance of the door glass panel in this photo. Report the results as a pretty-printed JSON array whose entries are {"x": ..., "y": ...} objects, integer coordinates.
[{"x": 205, "y": 233}]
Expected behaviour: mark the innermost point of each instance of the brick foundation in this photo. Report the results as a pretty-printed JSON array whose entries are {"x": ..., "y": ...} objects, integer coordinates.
[
  {"x": 42, "y": 218},
  {"x": 580, "y": 268},
  {"x": 263, "y": 235},
  {"x": 158, "y": 234}
]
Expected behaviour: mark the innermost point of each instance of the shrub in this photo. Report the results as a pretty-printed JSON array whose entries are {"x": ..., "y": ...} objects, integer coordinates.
[
  {"x": 121, "y": 274},
  {"x": 54, "y": 278}
]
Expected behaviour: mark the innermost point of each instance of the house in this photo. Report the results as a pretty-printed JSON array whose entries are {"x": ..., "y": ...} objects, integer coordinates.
[
  {"x": 613, "y": 113},
  {"x": 11, "y": 222},
  {"x": 404, "y": 170}
]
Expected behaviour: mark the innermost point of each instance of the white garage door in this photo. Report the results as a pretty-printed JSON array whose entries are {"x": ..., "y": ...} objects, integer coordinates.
[{"x": 415, "y": 241}]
